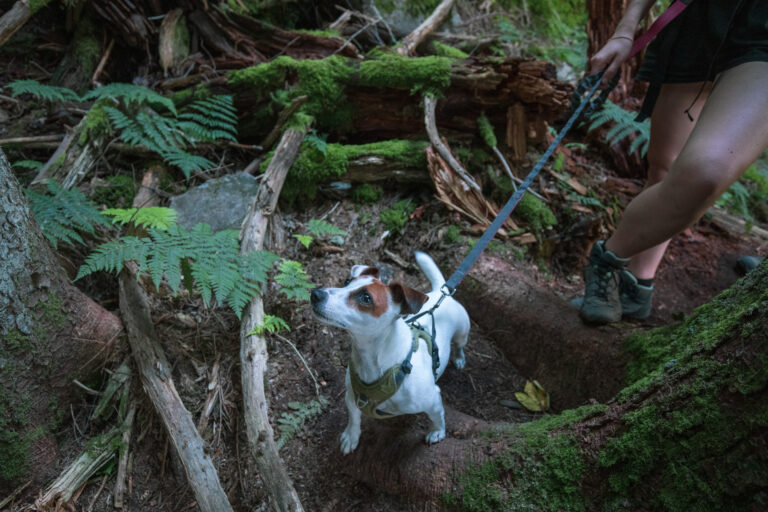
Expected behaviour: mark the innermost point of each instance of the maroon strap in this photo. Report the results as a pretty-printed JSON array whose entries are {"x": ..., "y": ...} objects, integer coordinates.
[{"x": 658, "y": 25}]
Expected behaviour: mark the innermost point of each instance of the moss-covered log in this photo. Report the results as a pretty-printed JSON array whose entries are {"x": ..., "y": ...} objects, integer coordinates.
[
  {"x": 689, "y": 432},
  {"x": 50, "y": 333}
]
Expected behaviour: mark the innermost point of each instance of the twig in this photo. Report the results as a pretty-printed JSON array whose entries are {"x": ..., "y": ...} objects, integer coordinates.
[
  {"x": 103, "y": 61},
  {"x": 434, "y": 138},
  {"x": 412, "y": 40},
  {"x": 122, "y": 466},
  {"x": 306, "y": 365},
  {"x": 86, "y": 388},
  {"x": 98, "y": 493},
  {"x": 210, "y": 401},
  {"x": 27, "y": 140},
  {"x": 13, "y": 495}
]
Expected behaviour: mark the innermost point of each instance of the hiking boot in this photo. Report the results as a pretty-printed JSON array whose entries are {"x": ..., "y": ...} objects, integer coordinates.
[
  {"x": 601, "y": 286},
  {"x": 747, "y": 264},
  {"x": 635, "y": 298}
]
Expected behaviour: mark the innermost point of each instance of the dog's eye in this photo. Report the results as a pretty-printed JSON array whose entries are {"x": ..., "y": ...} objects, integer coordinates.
[{"x": 365, "y": 298}]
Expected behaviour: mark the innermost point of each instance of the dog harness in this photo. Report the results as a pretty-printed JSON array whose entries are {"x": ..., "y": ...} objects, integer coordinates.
[{"x": 369, "y": 396}]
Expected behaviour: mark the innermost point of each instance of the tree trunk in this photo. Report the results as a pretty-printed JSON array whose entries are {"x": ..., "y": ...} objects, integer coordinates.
[
  {"x": 688, "y": 432},
  {"x": 50, "y": 333}
]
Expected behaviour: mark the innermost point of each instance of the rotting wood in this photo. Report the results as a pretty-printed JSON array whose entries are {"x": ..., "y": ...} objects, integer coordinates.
[
  {"x": 155, "y": 371},
  {"x": 173, "y": 45},
  {"x": 737, "y": 225},
  {"x": 253, "y": 348},
  {"x": 412, "y": 40},
  {"x": 121, "y": 481},
  {"x": 517, "y": 127},
  {"x": 14, "y": 18},
  {"x": 439, "y": 145},
  {"x": 214, "y": 388}
]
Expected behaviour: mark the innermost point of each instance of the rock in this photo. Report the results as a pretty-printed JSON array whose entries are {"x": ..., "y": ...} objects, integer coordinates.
[{"x": 222, "y": 202}]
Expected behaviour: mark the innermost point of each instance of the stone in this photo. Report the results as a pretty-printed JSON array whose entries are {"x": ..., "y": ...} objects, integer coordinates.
[{"x": 221, "y": 202}]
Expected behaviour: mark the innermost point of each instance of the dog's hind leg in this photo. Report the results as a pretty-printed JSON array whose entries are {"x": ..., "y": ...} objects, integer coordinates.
[
  {"x": 458, "y": 342},
  {"x": 351, "y": 435},
  {"x": 436, "y": 413}
]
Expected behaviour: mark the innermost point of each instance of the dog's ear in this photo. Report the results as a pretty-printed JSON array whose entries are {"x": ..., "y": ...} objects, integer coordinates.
[
  {"x": 363, "y": 270},
  {"x": 409, "y": 299}
]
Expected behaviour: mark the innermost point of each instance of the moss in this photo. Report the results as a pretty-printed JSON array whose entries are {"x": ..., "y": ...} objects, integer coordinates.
[
  {"x": 535, "y": 213},
  {"x": 118, "y": 192},
  {"x": 36, "y": 5},
  {"x": 420, "y": 75},
  {"x": 452, "y": 234},
  {"x": 185, "y": 96},
  {"x": 367, "y": 193},
  {"x": 314, "y": 166},
  {"x": 486, "y": 131},
  {"x": 96, "y": 123},
  {"x": 395, "y": 218},
  {"x": 443, "y": 50}
]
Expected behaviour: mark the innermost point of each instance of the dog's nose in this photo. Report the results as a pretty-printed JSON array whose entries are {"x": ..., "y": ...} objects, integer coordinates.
[{"x": 318, "y": 296}]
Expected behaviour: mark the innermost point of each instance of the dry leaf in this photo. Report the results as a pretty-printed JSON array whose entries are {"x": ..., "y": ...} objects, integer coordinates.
[{"x": 534, "y": 397}]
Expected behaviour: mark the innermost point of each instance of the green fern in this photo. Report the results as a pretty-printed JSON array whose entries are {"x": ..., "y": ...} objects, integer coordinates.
[
  {"x": 131, "y": 95},
  {"x": 294, "y": 281},
  {"x": 290, "y": 423},
  {"x": 33, "y": 165},
  {"x": 41, "y": 91},
  {"x": 155, "y": 217},
  {"x": 61, "y": 212},
  {"x": 305, "y": 240},
  {"x": 211, "y": 119},
  {"x": 211, "y": 260},
  {"x": 272, "y": 325},
  {"x": 320, "y": 229},
  {"x": 624, "y": 126}
]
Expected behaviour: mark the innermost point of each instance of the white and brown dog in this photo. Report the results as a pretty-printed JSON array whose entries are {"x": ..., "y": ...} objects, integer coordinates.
[{"x": 392, "y": 368}]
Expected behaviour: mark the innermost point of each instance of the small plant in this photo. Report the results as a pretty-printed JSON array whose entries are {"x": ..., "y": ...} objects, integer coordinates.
[
  {"x": 32, "y": 165},
  {"x": 154, "y": 217},
  {"x": 290, "y": 423},
  {"x": 395, "y": 218},
  {"x": 271, "y": 325},
  {"x": 319, "y": 229},
  {"x": 42, "y": 91},
  {"x": 367, "y": 194},
  {"x": 452, "y": 234},
  {"x": 62, "y": 213},
  {"x": 294, "y": 281},
  {"x": 624, "y": 126}
]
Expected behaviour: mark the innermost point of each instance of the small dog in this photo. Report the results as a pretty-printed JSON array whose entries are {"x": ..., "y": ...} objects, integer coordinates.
[{"x": 386, "y": 353}]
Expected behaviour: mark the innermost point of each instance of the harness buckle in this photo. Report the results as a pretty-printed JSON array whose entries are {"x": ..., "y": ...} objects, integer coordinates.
[
  {"x": 406, "y": 366},
  {"x": 361, "y": 401}
]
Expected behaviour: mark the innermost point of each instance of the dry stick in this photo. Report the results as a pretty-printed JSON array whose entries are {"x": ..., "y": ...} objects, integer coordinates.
[
  {"x": 253, "y": 349},
  {"x": 286, "y": 114},
  {"x": 157, "y": 382},
  {"x": 14, "y": 19},
  {"x": 443, "y": 151},
  {"x": 210, "y": 401},
  {"x": 412, "y": 40},
  {"x": 103, "y": 61},
  {"x": 31, "y": 140},
  {"x": 122, "y": 467}
]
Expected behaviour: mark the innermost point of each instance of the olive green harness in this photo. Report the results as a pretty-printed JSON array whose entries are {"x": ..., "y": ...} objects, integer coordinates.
[{"x": 369, "y": 396}]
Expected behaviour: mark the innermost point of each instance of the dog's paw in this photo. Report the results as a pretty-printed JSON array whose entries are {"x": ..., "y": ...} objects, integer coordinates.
[
  {"x": 435, "y": 436},
  {"x": 349, "y": 440},
  {"x": 459, "y": 361}
]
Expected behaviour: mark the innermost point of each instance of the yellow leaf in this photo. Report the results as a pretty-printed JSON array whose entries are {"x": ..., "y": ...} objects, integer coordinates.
[
  {"x": 528, "y": 401},
  {"x": 534, "y": 397}
]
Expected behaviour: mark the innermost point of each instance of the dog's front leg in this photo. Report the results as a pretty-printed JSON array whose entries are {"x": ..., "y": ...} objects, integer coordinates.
[
  {"x": 351, "y": 435},
  {"x": 436, "y": 413}
]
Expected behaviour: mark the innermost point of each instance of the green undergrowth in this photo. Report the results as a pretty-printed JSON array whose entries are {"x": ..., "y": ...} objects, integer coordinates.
[
  {"x": 320, "y": 163},
  {"x": 324, "y": 82},
  {"x": 690, "y": 439}
]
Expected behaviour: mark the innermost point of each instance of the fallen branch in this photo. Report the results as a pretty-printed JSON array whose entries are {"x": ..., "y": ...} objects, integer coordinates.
[
  {"x": 412, "y": 40},
  {"x": 253, "y": 348},
  {"x": 442, "y": 149},
  {"x": 16, "y": 17},
  {"x": 122, "y": 466},
  {"x": 736, "y": 225}
]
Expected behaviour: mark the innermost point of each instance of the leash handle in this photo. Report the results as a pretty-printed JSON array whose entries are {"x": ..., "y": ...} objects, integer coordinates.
[{"x": 592, "y": 83}]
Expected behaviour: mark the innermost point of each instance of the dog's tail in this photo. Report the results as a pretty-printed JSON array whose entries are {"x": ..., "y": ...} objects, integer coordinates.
[{"x": 429, "y": 267}]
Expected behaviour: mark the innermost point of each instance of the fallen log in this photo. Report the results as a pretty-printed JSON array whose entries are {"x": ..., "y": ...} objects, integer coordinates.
[{"x": 253, "y": 348}]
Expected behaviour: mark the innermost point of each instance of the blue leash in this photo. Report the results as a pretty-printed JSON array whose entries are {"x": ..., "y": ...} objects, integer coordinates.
[{"x": 581, "y": 103}]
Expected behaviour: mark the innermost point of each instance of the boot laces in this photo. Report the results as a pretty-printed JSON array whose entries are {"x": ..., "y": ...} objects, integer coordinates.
[{"x": 603, "y": 277}]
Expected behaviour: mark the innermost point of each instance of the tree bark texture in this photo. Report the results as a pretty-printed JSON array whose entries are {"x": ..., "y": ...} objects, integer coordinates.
[
  {"x": 156, "y": 377},
  {"x": 15, "y": 18},
  {"x": 50, "y": 333},
  {"x": 253, "y": 348}
]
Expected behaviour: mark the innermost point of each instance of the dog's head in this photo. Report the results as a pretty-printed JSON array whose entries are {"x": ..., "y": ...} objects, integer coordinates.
[{"x": 365, "y": 305}]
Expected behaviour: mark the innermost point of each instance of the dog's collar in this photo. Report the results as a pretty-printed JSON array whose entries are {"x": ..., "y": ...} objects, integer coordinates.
[{"x": 369, "y": 396}]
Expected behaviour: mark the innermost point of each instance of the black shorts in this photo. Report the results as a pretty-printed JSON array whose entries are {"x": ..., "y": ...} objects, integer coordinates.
[{"x": 707, "y": 38}]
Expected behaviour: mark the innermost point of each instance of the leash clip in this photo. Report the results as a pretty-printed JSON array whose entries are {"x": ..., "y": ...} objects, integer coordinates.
[{"x": 447, "y": 291}]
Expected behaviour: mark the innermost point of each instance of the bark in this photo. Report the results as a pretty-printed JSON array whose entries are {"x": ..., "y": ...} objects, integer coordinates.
[
  {"x": 50, "y": 333},
  {"x": 412, "y": 40},
  {"x": 83, "y": 54},
  {"x": 156, "y": 378},
  {"x": 16, "y": 17},
  {"x": 253, "y": 348},
  {"x": 688, "y": 431}
]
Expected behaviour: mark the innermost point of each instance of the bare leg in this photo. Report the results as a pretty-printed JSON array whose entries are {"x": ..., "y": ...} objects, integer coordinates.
[
  {"x": 670, "y": 128},
  {"x": 730, "y": 134}
]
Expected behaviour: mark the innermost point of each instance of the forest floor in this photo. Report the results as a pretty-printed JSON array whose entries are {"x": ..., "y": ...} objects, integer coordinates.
[{"x": 698, "y": 265}]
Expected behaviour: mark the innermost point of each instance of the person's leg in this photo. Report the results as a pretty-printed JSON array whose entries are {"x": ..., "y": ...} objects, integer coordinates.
[
  {"x": 730, "y": 134},
  {"x": 670, "y": 128}
]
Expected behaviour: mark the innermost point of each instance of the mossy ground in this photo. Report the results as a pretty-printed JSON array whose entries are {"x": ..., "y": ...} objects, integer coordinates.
[{"x": 694, "y": 413}]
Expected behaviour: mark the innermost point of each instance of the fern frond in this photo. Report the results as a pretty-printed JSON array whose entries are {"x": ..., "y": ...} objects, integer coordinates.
[
  {"x": 41, "y": 91},
  {"x": 154, "y": 217},
  {"x": 320, "y": 229},
  {"x": 293, "y": 280},
  {"x": 187, "y": 162},
  {"x": 28, "y": 164},
  {"x": 271, "y": 324},
  {"x": 290, "y": 423},
  {"x": 131, "y": 94},
  {"x": 624, "y": 126},
  {"x": 61, "y": 212}
]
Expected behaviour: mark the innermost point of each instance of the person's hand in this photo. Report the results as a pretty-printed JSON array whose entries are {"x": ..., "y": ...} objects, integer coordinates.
[{"x": 610, "y": 56}]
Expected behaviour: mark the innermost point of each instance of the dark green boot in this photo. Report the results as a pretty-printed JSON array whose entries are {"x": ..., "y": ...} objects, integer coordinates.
[
  {"x": 601, "y": 286},
  {"x": 635, "y": 298}
]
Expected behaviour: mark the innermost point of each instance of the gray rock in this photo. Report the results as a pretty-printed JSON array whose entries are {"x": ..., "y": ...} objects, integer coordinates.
[{"x": 222, "y": 202}]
